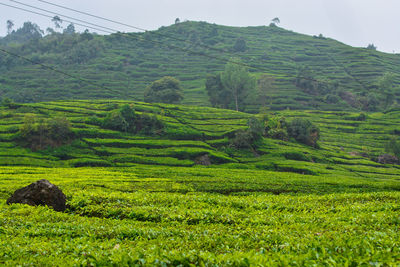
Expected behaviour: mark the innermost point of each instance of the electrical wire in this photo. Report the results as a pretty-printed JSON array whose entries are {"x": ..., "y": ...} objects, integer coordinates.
[
  {"x": 170, "y": 37},
  {"x": 56, "y": 70},
  {"x": 134, "y": 27},
  {"x": 111, "y": 31}
]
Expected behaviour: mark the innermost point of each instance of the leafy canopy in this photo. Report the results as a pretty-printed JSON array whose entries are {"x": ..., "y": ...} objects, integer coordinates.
[
  {"x": 238, "y": 81},
  {"x": 166, "y": 90}
]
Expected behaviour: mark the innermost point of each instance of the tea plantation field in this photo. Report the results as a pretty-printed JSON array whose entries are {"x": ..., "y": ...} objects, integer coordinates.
[
  {"x": 145, "y": 200},
  {"x": 169, "y": 216}
]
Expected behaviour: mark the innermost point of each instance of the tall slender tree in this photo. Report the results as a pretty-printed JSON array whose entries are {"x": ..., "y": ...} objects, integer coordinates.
[
  {"x": 238, "y": 81},
  {"x": 57, "y": 22},
  {"x": 10, "y": 25}
]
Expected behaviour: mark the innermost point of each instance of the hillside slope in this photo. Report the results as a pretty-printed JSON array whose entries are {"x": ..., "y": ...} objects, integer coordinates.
[
  {"x": 348, "y": 147},
  {"x": 122, "y": 65}
]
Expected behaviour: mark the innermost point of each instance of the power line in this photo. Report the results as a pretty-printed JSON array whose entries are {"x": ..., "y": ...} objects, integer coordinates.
[
  {"x": 111, "y": 31},
  {"x": 55, "y": 70},
  {"x": 44, "y": 15},
  {"x": 133, "y": 27},
  {"x": 64, "y": 16},
  {"x": 168, "y": 36}
]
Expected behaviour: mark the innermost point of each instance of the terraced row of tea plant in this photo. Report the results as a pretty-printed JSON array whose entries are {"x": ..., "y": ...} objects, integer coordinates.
[
  {"x": 348, "y": 145},
  {"x": 170, "y": 216}
]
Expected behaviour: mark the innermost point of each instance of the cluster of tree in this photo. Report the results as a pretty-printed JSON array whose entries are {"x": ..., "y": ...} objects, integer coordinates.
[
  {"x": 299, "y": 129},
  {"x": 125, "y": 119},
  {"x": 372, "y": 47},
  {"x": 165, "y": 90},
  {"x": 380, "y": 96},
  {"x": 28, "y": 32},
  {"x": 39, "y": 133},
  {"x": 230, "y": 88},
  {"x": 31, "y": 30}
]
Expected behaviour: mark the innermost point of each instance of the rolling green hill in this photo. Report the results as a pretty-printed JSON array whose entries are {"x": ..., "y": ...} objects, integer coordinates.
[{"x": 120, "y": 66}]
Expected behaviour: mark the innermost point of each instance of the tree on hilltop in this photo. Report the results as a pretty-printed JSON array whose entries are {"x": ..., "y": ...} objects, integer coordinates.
[
  {"x": 10, "y": 25},
  {"x": 275, "y": 21},
  {"x": 57, "y": 22},
  {"x": 372, "y": 47}
]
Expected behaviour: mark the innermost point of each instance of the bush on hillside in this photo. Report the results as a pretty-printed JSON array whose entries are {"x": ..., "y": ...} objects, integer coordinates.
[
  {"x": 275, "y": 127},
  {"x": 40, "y": 133},
  {"x": 126, "y": 120},
  {"x": 303, "y": 131},
  {"x": 393, "y": 147},
  {"x": 249, "y": 137},
  {"x": 240, "y": 45},
  {"x": 166, "y": 90}
]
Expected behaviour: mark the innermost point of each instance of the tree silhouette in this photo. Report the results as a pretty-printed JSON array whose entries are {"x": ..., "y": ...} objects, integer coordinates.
[
  {"x": 57, "y": 21},
  {"x": 276, "y": 21},
  {"x": 10, "y": 25}
]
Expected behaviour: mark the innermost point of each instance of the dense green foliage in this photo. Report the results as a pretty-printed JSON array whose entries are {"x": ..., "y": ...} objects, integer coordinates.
[
  {"x": 303, "y": 131},
  {"x": 39, "y": 133},
  {"x": 231, "y": 88},
  {"x": 126, "y": 120},
  {"x": 166, "y": 90},
  {"x": 126, "y": 64}
]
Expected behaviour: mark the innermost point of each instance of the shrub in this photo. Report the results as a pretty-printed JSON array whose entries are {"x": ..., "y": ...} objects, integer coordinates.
[
  {"x": 249, "y": 137},
  {"x": 275, "y": 127},
  {"x": 332, "y": 99},
  {"x": 126, "y": 120},
  {"x": 166, "y": 90},
  {"x": 240, "y": 45},
  {"x": 115, "y": 121},
  {"x": 39, "y": 133},
  {"x": 303, "y": 131},
  {"x": 242, "y": 139},
  {"x": 296, "y": 156},
  {"x": 393, "y": 147}
]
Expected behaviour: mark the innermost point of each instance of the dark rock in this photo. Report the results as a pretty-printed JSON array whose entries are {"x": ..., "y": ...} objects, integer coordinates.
[
  {"x": 388, "y": 159},
  {"x": 41, "y": 192},
  {"x": 203, "y": 160}
]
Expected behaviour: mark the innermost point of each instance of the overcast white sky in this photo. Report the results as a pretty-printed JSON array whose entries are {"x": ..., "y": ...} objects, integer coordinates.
[{"x": 354, "y": 22}]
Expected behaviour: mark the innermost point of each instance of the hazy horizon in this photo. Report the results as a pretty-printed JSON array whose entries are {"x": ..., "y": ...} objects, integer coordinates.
[{"x": 353, "y": 22}]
